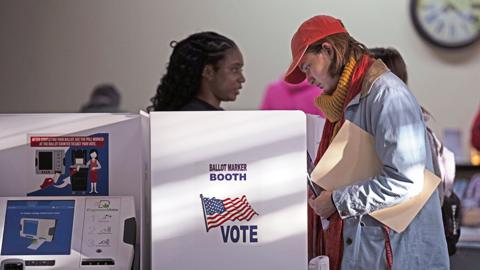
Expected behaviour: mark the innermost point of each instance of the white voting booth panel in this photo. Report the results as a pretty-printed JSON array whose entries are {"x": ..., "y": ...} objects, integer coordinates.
[
  {"x": 67, "y": 233},
  {"x": 51, "y": 155},
  {"x": 228, "y": 190}
]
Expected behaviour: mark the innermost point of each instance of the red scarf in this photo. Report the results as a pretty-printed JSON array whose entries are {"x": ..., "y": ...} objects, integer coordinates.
[{"x": 330, "y": 242}]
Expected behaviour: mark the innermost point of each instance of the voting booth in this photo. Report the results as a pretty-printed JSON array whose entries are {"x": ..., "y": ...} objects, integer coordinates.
[
  {"x": 193, "y": 190},
  {"x": 69, "y": 156},
  {"x": 228, "y": 190}
]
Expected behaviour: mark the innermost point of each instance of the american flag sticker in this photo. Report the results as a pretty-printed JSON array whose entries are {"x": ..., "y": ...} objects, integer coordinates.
[{"x": 218, "y": 211}]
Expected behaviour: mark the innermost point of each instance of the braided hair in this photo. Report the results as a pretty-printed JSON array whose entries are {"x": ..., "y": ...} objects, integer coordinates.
[{"x": 182, "y": 81}]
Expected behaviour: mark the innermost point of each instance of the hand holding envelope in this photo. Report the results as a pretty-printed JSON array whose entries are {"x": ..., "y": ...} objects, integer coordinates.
[
  {"x": 322, "y": 205},
  {"x": 351, "y": 158}
]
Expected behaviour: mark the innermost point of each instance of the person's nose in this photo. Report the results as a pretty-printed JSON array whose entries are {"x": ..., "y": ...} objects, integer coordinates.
[
  {"x": 242, "y": 78},
  {"x": 309, "y": 77}
]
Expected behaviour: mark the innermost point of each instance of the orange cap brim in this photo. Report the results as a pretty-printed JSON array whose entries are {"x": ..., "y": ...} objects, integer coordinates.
[{"x": 294, "y": 74}]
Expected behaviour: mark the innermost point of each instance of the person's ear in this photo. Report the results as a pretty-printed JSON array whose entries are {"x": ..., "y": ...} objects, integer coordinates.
[
  {"x": 208, "y": 72},
  {"x": 328, "y": 49}
]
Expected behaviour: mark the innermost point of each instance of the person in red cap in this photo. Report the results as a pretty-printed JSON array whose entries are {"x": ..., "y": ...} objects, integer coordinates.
[{"x": 362, "y": 90}]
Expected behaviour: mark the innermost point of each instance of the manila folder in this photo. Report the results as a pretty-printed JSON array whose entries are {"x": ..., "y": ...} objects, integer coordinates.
[{"x": 351, "y": 158}]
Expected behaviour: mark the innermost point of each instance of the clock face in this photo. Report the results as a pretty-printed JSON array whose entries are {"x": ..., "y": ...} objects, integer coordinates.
[{"x": 447, "y": 24}]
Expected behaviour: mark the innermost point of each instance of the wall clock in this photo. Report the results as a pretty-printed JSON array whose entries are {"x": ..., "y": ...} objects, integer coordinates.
[{"x": 447, "y": 24}]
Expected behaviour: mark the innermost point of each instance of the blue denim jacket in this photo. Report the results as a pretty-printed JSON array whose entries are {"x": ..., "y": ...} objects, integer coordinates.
[{"x": 387, "y": 110}]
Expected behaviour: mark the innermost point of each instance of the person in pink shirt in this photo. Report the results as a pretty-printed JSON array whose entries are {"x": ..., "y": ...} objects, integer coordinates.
[{"x": 280, "y": 95}]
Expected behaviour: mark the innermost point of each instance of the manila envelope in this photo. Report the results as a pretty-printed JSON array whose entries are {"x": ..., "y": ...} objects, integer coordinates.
[{"x": 351, "y": 158}]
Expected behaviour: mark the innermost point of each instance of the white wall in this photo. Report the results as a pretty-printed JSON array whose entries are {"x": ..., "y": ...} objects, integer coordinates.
[{"x": 52, "y": 53}]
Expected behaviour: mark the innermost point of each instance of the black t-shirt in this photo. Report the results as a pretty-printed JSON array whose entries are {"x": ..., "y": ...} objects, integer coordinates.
[{"x": 198, "y": 105}]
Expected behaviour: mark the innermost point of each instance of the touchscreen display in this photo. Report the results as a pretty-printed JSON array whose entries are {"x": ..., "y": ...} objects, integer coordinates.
[{"x": 38, "y": 227}]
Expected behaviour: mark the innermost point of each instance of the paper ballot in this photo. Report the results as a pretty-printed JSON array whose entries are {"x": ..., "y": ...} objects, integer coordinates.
[{"x": 351, "y": 158}]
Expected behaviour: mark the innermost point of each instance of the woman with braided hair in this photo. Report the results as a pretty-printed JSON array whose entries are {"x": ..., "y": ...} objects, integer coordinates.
[
  {"x": 204, "y": 70},
  {"x": 362, "y": 90}
]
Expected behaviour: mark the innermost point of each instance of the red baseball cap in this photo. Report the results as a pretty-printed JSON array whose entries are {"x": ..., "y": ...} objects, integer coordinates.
[{"x": 311, "y": 31}]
